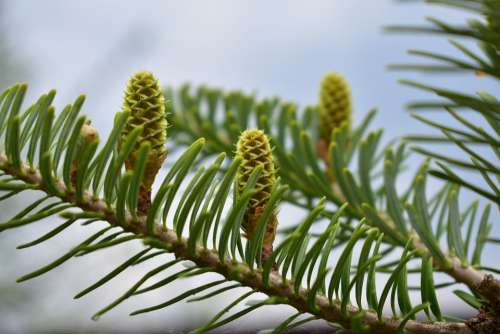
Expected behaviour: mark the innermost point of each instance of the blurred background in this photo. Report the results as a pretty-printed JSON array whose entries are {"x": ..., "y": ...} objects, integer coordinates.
[{"x": 268, "y": 47}]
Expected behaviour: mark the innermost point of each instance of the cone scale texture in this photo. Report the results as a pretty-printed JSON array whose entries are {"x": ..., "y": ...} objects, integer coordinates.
[
  {"x": 145, "y": 102},
  {"x": 254, "y": 150},
  {"x": 334, "y": 104}
]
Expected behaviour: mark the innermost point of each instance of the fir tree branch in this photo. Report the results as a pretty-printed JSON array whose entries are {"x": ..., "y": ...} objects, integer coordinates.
[
  {"x": 340, "y": 190},
  {"x": 166, "y": 239}
]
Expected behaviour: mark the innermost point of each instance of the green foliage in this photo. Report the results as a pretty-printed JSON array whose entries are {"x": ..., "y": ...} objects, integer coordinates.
[
  {"x": 471, "y": 136},
  {"x": 200, "y": 208},
  {"x": 358, "y": 217}
]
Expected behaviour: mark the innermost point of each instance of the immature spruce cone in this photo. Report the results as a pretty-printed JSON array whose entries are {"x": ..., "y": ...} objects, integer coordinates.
[
  {"x": 334, "y": 104},
  {"x": 87, "y": 135},
  {"x": 254, "y": 150},
  {"x": 145, "y": 102}
]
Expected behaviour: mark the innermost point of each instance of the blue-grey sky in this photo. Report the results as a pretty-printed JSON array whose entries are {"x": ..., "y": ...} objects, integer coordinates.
[{"x": 271, "y": 47}]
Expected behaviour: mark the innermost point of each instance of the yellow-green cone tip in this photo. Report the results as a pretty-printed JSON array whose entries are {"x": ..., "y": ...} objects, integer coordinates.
[
  {"x": 335, "y": 105},
  {"x": 254, "y": 150},
  {"x": 145, "y": 102}
]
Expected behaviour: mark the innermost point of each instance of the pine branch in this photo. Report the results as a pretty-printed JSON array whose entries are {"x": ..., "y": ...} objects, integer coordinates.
[
  {"x": 168, "y": 240},
  {"x": 300, "y": 171},
  {"x": 313, "y": 149},
  {"x": 391, "y": 222},
  {"x": 115, "y": 199}
]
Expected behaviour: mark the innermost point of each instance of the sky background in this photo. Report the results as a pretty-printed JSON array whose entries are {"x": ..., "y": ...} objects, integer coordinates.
[{"x": 270, "y": 47}]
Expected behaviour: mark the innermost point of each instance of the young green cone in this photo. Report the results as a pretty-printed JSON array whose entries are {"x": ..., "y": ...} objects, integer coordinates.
[
  {"x": 145, "y": 102},
  {"x": 335, "y": 110},
  {"x": 334, "y": 104},
  {"x": 254, "y": 150}
]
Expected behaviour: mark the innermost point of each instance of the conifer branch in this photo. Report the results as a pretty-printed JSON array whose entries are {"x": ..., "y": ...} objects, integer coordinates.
[
  {"x": 301, "y": 156},
  {"x": 168, "y": 240}
]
